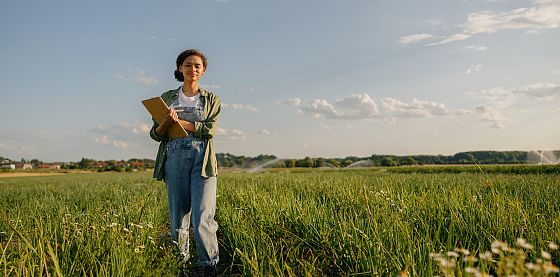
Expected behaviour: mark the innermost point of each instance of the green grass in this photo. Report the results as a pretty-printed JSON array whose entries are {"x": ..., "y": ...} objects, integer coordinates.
[{"x": 282, "y": 223}]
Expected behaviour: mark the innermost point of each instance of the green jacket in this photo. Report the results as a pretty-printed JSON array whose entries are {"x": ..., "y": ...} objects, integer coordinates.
[{"x": 206, "y": 130}]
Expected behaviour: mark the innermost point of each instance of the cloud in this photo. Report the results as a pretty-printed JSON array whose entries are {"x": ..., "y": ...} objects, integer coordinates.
[
  {"x": 120, "y": 144},
  {"x": 330, "y": 127},
  {"x": 123, "y": 134},
  {"x": 3, "y": 146},
  {"x": 542, "y": 91},
  {"x": 291, "y": 101},
  {"x": 210, "y": 86},
  {"x": 230, "y": 135},
  {"x": 473, "y": 68},
  {"x": 353, "y": 106},
  {"x": 239, "y": 107},
  {"x": 417, "y": 108},
  {"x": 543, "y": 14},
  {"x": 267, "y": 132},
  {"x": 475, "y": 48},
  {"x": 124, "y": 130},
  {"x": 491, "y": 115},
  {"x": 414, "y": 38},
  {"x": 103, "y": 139},
  {"x": 137, "y": 76},
  {"x": 451, "y": 38},
  {"x": 499, "y": 100}
]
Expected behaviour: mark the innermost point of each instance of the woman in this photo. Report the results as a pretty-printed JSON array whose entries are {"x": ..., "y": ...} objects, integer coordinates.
[{"x": 188, "y": 164}]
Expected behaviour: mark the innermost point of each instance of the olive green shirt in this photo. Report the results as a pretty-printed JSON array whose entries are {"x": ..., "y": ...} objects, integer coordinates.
[{"x": 205, "y": 130}]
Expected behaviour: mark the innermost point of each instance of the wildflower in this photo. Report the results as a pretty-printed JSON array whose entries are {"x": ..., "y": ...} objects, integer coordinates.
[
  {"x": 524, "y": 244},
  {"x": 486, "y": 256},
  {"x": 546, "y": 255},
  {"x": 530, "y": 266},
  {"x": 472, "y": 270},
  {"x": 136, "y": 225},
  {"x": 126, "y": 230},
  {"x": 113, "y": 225},
  {"x": 463, "y": 251},
  {"x": 453, "y": 254},
  {"x": 435, "y": 256},
  {"x": 150, "y": 238},
  {"x": 552, "y": 246},
  {"x": 470, "y": 259}
]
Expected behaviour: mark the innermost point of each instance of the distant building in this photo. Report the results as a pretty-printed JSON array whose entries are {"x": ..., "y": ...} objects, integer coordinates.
[
  {"x": 8, "y": 166},
  {"x": 24, "y": 166},
  {"x": 49, "y": 166}
]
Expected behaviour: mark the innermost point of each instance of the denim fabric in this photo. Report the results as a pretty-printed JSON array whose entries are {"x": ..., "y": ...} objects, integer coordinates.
[{"x": 191, "y": 194}]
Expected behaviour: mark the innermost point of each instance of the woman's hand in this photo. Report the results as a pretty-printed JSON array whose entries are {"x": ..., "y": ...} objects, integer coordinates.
[{"x": 170, "y": 117}]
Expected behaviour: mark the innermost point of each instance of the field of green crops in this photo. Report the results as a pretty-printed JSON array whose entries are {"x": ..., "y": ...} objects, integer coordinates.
[{"x": 360, "y": 222}]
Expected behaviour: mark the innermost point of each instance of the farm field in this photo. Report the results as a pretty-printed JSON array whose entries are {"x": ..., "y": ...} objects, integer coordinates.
[{"x": 360, "y": 222}]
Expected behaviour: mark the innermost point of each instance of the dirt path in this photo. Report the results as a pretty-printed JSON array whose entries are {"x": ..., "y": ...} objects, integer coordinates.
[{"x": 26, "y": 174}]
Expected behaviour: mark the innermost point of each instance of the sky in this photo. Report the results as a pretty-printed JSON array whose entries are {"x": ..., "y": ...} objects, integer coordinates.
[{"x": 318, "y": 78}]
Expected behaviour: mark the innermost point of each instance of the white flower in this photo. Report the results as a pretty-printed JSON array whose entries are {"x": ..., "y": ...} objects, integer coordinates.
[
  {"x": 523, "y": 243},
  {"x": 546, "y": 255}
]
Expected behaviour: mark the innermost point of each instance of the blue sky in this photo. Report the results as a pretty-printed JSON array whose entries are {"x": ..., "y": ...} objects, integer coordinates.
[{"x": 327, "y": 78}]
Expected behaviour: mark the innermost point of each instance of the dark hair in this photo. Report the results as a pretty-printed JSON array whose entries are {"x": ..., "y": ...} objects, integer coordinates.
[{"x": 181, "y": 58}]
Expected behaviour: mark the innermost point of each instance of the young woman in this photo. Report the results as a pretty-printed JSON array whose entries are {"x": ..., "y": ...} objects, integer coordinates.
[{"x": 188, "y": 164}]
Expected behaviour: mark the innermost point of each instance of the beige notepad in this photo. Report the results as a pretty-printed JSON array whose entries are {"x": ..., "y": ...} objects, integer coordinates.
[{"x": 157, "y": 108}]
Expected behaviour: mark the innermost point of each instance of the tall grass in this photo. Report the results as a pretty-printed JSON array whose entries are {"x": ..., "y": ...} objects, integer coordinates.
[
  {"x": 364, "y": 223},
  {"x": 309, "y": 222},
  {"x": 91, "y": 224}
]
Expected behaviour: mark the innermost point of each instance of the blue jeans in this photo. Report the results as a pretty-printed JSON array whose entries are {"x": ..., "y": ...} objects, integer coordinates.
[{"x": 189, "y": 194}]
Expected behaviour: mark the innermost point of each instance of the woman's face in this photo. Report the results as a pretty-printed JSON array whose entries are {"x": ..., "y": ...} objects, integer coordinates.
[{"x": 192, "y": 68}]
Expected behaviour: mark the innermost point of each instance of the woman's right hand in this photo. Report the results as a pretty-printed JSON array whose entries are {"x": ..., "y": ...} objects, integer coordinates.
[{"x": 170, "y": 117}]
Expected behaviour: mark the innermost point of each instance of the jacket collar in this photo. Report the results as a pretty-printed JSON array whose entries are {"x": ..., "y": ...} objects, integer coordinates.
[{"x": 203, "y": 92}]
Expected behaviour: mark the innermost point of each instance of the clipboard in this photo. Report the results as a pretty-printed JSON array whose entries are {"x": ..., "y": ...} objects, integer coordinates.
[{"x": 157, "y": 108}]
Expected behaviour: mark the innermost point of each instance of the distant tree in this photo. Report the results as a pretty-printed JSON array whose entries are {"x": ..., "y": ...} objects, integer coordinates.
[
  {"x": 389, "y": 161},
  {"x": 36, "y": 162}
]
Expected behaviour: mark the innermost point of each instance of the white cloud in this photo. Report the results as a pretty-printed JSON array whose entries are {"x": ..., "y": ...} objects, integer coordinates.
[
  {"x": 491, "y": 115},
  {"x": 414, "y": 38},
  {"x": 209, "y": 87},
  {"x": 291, "y": 101},
  {"x": 124, "y": 130},
  {"x": 543, "y": 91},
  {"x": 120, "y": 144},
  {"x": 267, "y": 132},
  {"x": 330, "y": 127},
  {"x": 122, "y": 135},
  {"x": 230, "y": 135},
  {"x": 103, "y": 139},
  {"x": 239, "y": 107},
  {"x": 543, "y": 14},
  {"x": 417, "y": 108},
  {"x": 353, "y": 106},
  {"x": 137, "y": 76},
  {"x": 451, "y": 38},
  {"x": 473, "y": 68},
  {"x": 475, "y": 48}
]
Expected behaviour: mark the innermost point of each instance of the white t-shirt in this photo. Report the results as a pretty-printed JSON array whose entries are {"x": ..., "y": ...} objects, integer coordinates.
[
  {"x": 188, "y": 108},
  {"x": 189, "y": 101}
]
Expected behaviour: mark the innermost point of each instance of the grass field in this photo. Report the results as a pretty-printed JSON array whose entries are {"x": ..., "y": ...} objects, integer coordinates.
[{"x": 360, "y": 222}]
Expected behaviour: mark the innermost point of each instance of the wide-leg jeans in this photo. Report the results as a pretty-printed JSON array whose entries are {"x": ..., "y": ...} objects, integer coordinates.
[{"x": 189, "y": 194}]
